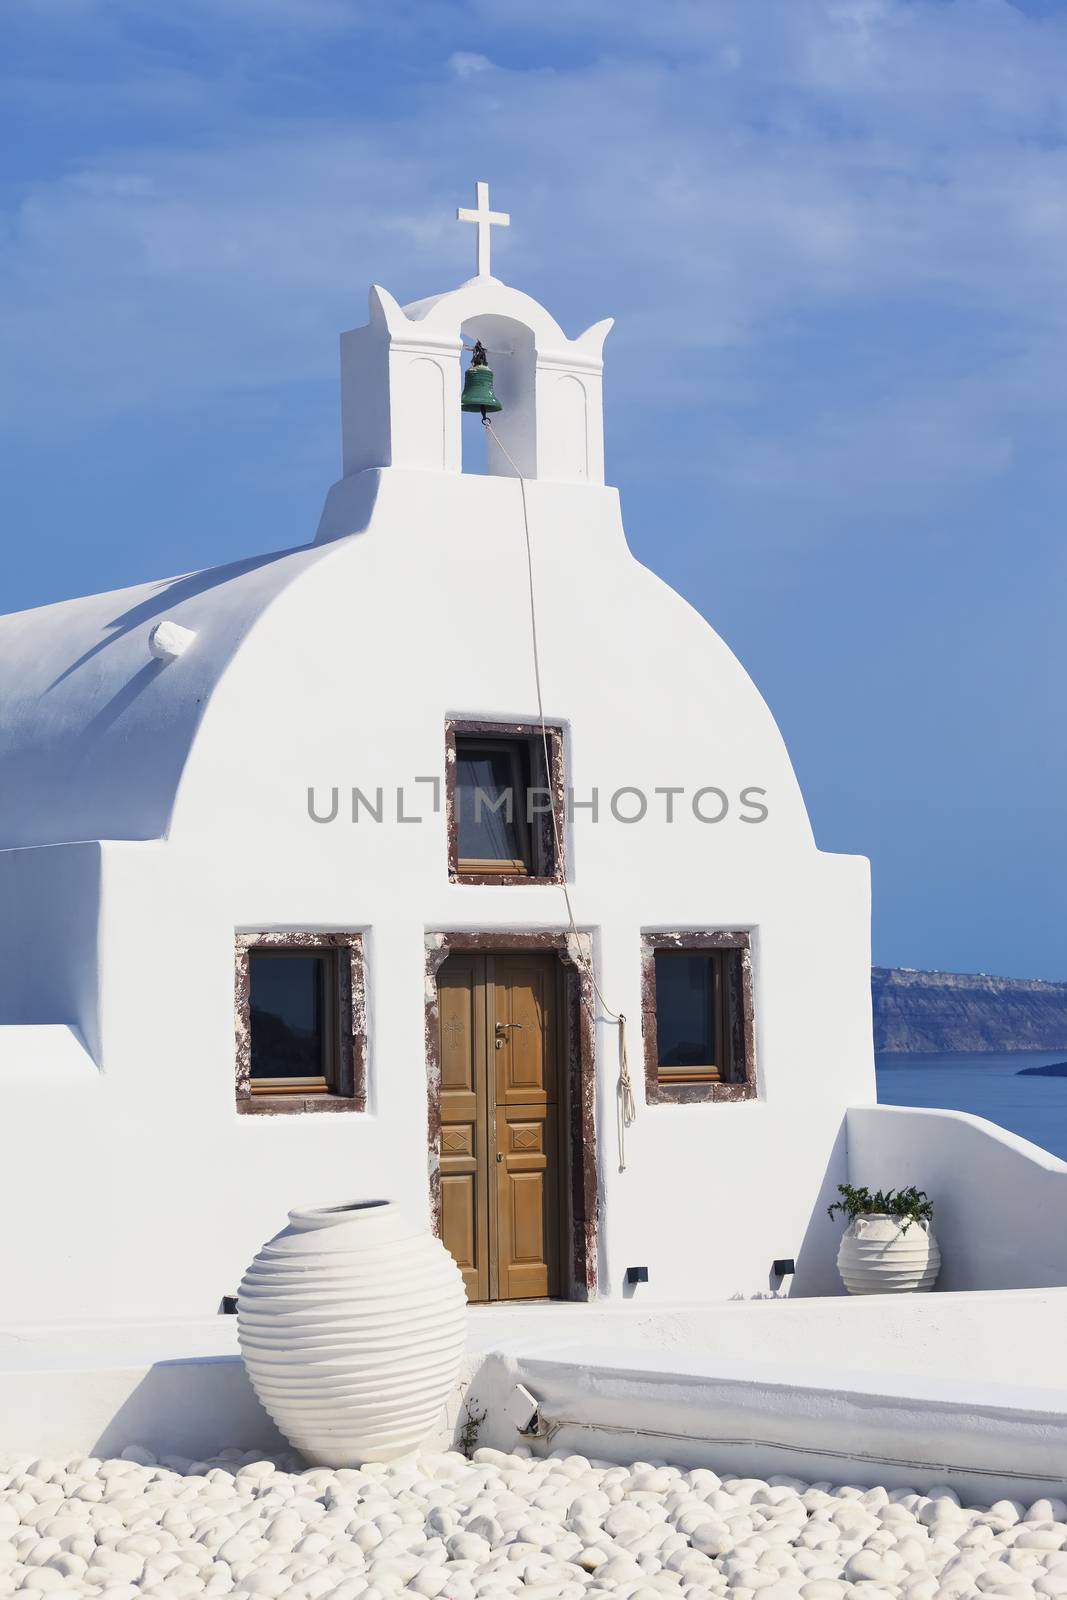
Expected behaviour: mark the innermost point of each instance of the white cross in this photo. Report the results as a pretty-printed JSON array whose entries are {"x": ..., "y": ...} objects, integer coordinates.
[{"x": 485, "y": 220}]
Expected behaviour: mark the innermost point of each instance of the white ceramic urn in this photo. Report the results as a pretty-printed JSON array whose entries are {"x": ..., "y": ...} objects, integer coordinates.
[
  {"x": 880, "y": 1255},
  {"x": 352, "y": 1326}
]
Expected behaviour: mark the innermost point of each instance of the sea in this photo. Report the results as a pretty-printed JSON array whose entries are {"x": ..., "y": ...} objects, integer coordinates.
[{"x": 987, "y": 1085}]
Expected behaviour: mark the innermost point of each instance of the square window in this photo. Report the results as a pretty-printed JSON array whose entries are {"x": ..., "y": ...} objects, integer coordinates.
[
  {"x": 505, "y": 803},
  {"x": 301, "y": 1042},
  {"x": 698, "y": 1025}
]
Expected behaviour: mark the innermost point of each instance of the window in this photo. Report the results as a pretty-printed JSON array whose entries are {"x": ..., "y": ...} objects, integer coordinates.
[
  {"x": 505, "y": 803},
  {"x": 492, "y": 785},
  {"x": 300, "y": 1009},
  {"x": 292, "y": 1008},
  {"x": 697, "y": 1021},
  {"x": 692, "y": 1039}
]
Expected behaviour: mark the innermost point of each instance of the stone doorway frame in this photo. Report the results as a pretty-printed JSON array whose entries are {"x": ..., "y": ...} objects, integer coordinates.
[{"x": 581, "y": 1188}]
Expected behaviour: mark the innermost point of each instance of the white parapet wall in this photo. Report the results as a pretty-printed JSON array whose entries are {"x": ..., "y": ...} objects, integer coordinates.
[
  {"x": 878, "y": 1389},
  {"x": 757, "y": 1419},
  {"x": 1005, "y": 1338},
  {"x": 180, "y": 1388},
  {"x": 900, "y": 1390},
  {"x": 1000, "y": 1202}
]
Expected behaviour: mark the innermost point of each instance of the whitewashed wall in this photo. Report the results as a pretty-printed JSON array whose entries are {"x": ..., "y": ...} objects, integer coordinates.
[
  {"x": 49, "y": 922},
  {"x": 942, "y": 1362},
  {"x": 1000, "y": 1202},
  {"x": 150, "y": 1193}
]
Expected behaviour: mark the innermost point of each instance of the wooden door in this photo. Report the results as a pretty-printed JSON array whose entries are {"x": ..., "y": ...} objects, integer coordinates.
[
  {"x": 464, "y": 1119},
  {"x": 500, "y": 1123},
  {"x": 523, "y": 993}
]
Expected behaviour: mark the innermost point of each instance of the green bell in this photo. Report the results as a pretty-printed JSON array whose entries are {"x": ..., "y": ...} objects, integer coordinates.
[{"x": 478, "y": 384}]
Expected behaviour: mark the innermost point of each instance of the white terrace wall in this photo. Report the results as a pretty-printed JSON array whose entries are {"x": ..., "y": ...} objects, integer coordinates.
[
  {"x": 822, "y": 1423},
  {"x": 180, "y": 1386},
  {"x": 49, "y": 919},
  {"x": 160, "y": 1192},
  {"x": 1015, "y": 1338},
  {"x": 1000, "y": 1202}
]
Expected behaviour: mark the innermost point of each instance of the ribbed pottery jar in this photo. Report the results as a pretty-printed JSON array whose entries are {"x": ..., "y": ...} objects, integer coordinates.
[
  {"x": 879, "y": 1255},
  {"x": 352, "y": 1325}
]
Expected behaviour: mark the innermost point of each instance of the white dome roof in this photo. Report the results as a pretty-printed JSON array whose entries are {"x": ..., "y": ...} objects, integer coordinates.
[{"x": 94, "y": 728}]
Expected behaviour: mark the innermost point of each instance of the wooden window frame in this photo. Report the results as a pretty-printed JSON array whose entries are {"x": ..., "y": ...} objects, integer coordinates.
[
  {"x": 344, "y": 1088},
  {"x": 718, "y": 1028},
  {"x": 540, "y": 832},
  {"x": 695, "y": 1085},
  {"x": 314, "y": 1084},
  {"x": 468, "y": 866}
]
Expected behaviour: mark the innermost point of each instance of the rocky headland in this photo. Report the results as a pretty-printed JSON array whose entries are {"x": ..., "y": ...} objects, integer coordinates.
[{"x": 927, "y": 1012}]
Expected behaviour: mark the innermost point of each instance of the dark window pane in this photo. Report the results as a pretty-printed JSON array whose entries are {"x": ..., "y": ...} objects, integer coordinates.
[
  {"x": 685, "y": 993},
  {"x": 490, "y": 803},
  {"x": 287, "y": 1006}
]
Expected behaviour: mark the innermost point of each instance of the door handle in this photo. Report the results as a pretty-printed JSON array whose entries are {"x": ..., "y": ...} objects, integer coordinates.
[{"x": 501, "y": 1029}]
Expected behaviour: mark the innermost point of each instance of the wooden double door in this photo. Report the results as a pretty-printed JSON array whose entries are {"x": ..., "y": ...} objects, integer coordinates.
[{"x": 500, "y": 1122}]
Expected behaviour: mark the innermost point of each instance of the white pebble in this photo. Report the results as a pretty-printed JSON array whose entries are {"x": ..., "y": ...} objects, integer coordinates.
[{"x": 503, "y": 1527}]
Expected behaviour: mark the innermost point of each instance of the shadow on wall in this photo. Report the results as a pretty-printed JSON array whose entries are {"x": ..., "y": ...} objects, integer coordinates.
[
  {"x": 816, "y": 1258},
  {"x": 169, "y": 593},
  {"x": 112, "y": 709},
  {"x": 193, "y": 1408},
  {"x": 52, "y": 898}
]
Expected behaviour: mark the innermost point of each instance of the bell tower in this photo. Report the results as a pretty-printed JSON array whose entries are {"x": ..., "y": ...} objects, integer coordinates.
[{"x": 402, "y": 378}]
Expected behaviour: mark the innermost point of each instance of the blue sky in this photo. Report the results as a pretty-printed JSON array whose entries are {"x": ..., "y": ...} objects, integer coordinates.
[{"x": 833, "y": 234}]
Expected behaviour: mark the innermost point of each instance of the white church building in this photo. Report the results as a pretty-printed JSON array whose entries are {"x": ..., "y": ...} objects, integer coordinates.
[{"x": 328, "y": 873}]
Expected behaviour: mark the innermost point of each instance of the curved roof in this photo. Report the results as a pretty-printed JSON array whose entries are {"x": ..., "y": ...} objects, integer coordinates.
[
  {"x": 95, "y": 730},
  {"x": 479, "y": 297}
]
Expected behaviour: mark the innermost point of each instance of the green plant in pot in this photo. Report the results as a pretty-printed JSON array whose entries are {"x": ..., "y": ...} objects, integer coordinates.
[{"x": 888, "y": 1246}]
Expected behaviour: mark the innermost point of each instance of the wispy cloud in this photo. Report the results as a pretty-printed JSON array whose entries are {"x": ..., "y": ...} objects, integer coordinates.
[
  {"x": 720, "y": 178},
  {"x": 834, "y": 237},
  {"x": 468, "y": 63}
]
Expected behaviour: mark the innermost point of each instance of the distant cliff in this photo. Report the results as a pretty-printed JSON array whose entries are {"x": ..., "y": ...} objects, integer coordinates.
[{"x": 934, "y": 1011}]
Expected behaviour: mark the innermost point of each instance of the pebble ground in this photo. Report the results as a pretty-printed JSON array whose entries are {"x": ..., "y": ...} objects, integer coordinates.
[{"x": 559, "y": 1527}]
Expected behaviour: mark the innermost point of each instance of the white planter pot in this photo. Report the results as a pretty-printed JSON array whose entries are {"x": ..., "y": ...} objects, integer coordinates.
[
  {"x": 352, "y": 1325},
  {"x": 878, "y": 1255}
]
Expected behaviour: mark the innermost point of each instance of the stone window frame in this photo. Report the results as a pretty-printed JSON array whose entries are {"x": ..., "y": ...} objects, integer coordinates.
[
  {"x": 744, "y": 1037},
  {"x": 581, "y": 1240},
  {"x": 541, "y": 827},
  {"x": 351, "y": 1092}
]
